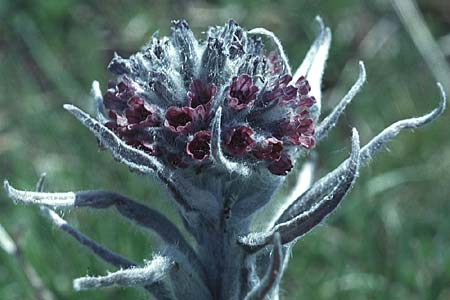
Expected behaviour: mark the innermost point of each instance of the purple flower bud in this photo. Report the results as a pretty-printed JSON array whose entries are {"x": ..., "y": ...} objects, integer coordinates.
[
  {"x": 140, "y": 140},
  {"x": 288, "y": 95},
  {"x": 307, "y": 101},
  {"x": 240, "y": 141},
  {"x": 306, "y": 141},
  {"x": 199, "y": 147},
  {"x": 201, "y": 94},
  {"x": 179, "y": 119},
  {"x": 117, "y": 118},
  {"x": 269, "y": 149},
  {"x": 281, "y": 166},
  {"x": 299, "y": 131},
  {"x": 134, "y": 137},
  {"x": 140, "y": 114},
  {"x": 281, "y": 91},
  {"x": 117, "y": 96},
  {"x": 242, "y": 92},
  {"x": 303, "y": 86}
]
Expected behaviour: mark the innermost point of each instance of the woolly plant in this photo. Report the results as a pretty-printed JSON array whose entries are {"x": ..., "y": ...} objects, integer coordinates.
[{"x": 220, "y": 123}]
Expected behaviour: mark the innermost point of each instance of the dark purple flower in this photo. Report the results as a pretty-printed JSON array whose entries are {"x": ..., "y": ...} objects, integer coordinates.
[
  {"x": 179, "y": 119},
  {"x": 201, "y": 94},
  {"x": 144, "y": 142},
  {"x": 299, "y": 131},
  {"x": 198, "y": 148},
  {"x": 269, "y": 149},
  {"x": 134, "y": 137},
  {"x": 140, "y": 114},
  {"x": 126, "y": 109},
  {"x": 281, "y": 166},
  {"x": 303, "y": 86},
  {"x": 307, "y": 141},
  {"x": 239, "y": 141},
  {"x": 281, "y": 91},
  {"x": 117, "y": 96},
  {"x": 117, "y": 118},
  {"x": 307, "y": 101},
  {"x": 128, "y": 125},
  {"x": 242, "y": 92},
  {"x": 287, "y": 95}
]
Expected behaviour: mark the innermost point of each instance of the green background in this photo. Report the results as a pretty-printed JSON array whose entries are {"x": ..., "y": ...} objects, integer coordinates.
[{"x": 390, "y": 239}]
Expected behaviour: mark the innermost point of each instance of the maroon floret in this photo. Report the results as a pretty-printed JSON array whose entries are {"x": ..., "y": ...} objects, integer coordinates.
[
  {"x": 179, "y": 119},
  {"x": 117, "y": 118},
  {"x": 129, "y": 114},
  {"x": 269, "y": 149},
  {"x": 199, "y": 148},
  {"x": 281, "y": 91},
  {"x": 140, "y": 114},
  {"x": 201, "y": 94},
  {"x": 135, "y": 137},
  {"x": 117, "y": 96},
  {"x": 281, "y": 166},
  {"x": 303, "y": 86},
  {"x": 307, "y": 101},
  {"x": 288, "y": 95},
  {"x": 141, "y": 140},
  {"x": 307, "y": 141},
  {"x": 242, "y": 92},
  {"x": 299, "y": 131},
  {"x": 239, "y": 141}
]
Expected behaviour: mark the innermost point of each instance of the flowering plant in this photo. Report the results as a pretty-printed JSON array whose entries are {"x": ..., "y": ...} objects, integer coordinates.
[{"x": 220, "y": 123}]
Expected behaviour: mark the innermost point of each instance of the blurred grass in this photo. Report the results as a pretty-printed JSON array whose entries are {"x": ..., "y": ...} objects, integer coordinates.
[{"x": 390, "y": 238}]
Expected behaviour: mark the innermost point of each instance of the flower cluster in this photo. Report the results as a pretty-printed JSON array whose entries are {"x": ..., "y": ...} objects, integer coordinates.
[
  {"x": 193, "y": 113},
  {"x": 265, "y": 112}
]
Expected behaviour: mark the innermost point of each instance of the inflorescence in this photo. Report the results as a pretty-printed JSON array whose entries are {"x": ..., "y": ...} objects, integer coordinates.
[
  {"x": 219, "y": 123},
  {"x": 167, "y": 96}
]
